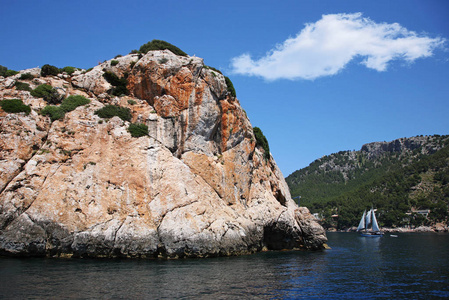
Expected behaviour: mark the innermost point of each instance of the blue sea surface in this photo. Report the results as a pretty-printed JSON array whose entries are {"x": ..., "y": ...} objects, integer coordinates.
[{"x": 411, "y": 266}]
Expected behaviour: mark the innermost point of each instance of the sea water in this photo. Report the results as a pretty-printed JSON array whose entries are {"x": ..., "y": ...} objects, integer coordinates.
[{"x": 409, "y": 266}]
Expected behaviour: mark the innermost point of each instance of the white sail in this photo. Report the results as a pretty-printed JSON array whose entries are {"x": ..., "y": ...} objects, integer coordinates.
[
  {"x": 375, "y": 225},
  {"x": 362, "y": 222},
  {"x": 368, "y": 219}
]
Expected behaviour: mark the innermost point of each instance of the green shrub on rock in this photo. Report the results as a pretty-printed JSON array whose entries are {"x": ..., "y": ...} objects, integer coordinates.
[
  {"x": 14, "y": 106},
  {"x": 47, "y": 70},
  {"x": 262, "y": 141},
  {"x": 54, "y": 112},
  {"x": 118, "y": 83},
  {"x": 3, "y": 70},
  {"x": 67, "y": 105},
  {"x": 138, "y": 129},
  {"x": 26, "y": 76},
  {"x": 112, "y": 78},
  {"x": 47, "y": 92},
  {"x": 230, "y": 86},
  {"x": 22, "y": 86},
  {"x": 6, "y": 73},
  {"x": 110, "y": 111},
  {"x": 68, "y": 70},
  {"x": 41, "y": 90},
  {"x": 11, "y": 73},
  {"x": 72, "y": 102}
]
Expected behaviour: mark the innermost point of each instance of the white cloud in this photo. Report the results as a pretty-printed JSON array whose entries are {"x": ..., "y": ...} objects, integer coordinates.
[{"x": 325, "y": 47}]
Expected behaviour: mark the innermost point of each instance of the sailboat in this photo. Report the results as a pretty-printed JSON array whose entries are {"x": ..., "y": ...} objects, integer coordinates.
[{"x": 368, "y": 225}]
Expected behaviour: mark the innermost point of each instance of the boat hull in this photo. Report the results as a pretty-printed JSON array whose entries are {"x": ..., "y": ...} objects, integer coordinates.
[{"x": 371, "y": 234}]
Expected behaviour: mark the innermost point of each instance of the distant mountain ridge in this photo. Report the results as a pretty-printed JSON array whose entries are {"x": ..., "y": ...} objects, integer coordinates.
[
  {"x": 427, "y": 145},
  {"x": 398, "y": 177}
]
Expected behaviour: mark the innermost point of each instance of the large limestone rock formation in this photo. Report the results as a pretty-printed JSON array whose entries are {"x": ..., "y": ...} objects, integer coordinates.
[{"x": 196, "y": 186}]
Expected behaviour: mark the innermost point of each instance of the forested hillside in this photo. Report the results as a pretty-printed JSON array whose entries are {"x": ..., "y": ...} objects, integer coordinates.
[{"x": 398, "y": 178}]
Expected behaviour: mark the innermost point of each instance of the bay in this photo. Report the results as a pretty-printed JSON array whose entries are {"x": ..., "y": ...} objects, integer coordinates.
[{"x": 410, "y": 266}]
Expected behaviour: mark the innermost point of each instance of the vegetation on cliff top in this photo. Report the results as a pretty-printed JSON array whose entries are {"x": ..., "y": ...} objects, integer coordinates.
[
  {"x": 5, "y": 72},
  {"x": 161, "y": 45},
  {"x": 48, "y": 70},
  {"x": 397, "y": 183},
  {"x": 69, "y": 70}
]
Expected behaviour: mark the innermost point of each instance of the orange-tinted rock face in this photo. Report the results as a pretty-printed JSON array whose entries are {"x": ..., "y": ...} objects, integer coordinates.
[{"x": 196, "y": 185}]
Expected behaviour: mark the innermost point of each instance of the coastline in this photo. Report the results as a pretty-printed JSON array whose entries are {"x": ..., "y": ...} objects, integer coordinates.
[{"x": 438, "y": 228}]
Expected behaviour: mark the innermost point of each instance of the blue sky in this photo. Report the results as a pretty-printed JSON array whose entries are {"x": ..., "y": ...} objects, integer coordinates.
[{"x": 316, "y": 76}]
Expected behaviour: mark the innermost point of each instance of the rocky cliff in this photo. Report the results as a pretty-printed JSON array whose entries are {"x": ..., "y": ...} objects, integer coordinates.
[
  {"x": 195, "y": 186},
  {"x": 425, "y": 145}
]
